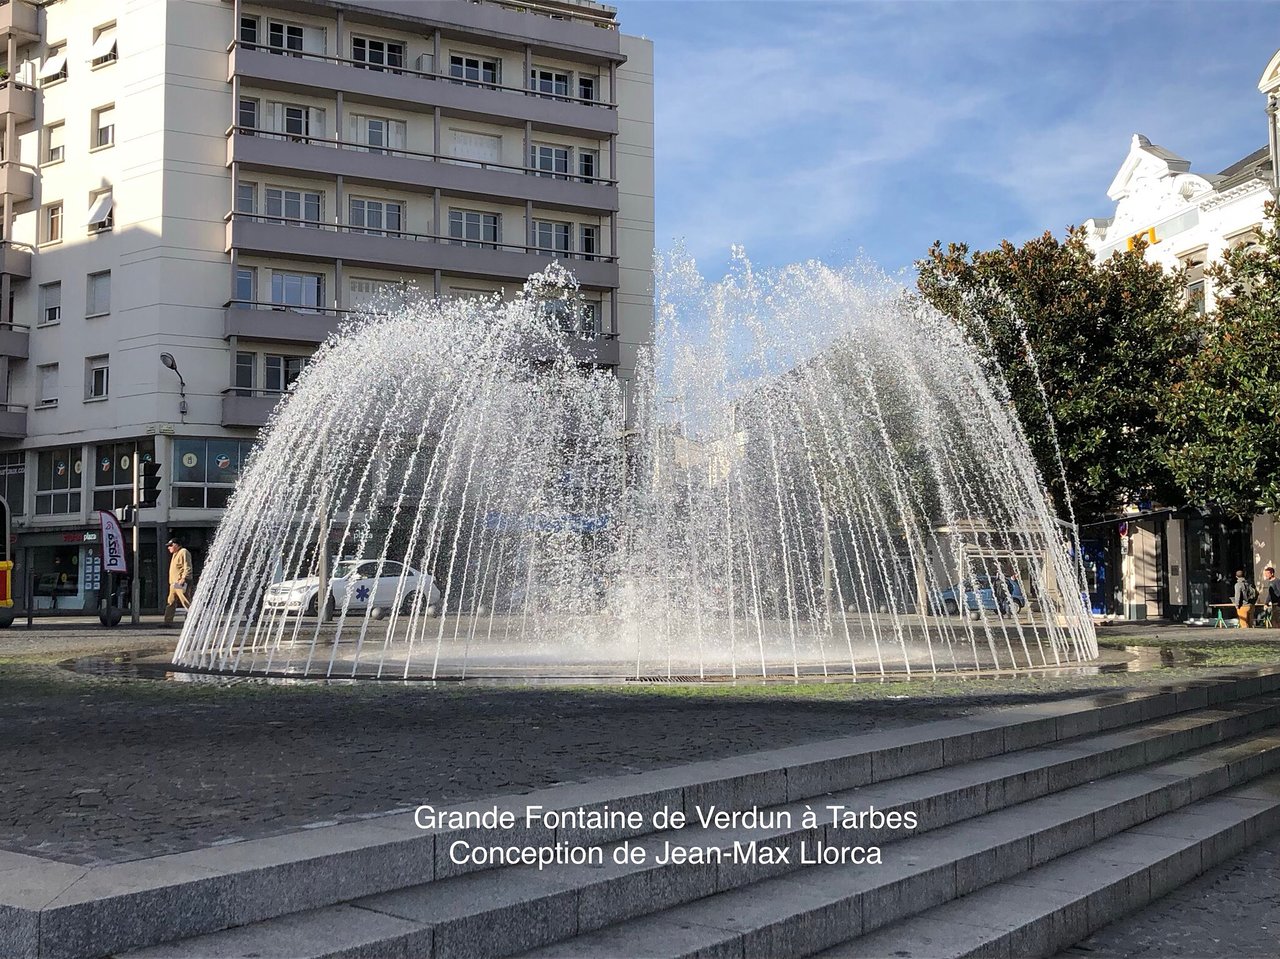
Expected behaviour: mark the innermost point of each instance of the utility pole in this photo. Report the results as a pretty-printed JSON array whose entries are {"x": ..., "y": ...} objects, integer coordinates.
[{"x": 135, "y": 583}]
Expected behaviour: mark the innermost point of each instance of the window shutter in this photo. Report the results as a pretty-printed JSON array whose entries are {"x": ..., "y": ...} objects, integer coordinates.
[
  {"x": 277, "y": 118},
  {"x": 355, "y": 124},
  {"x": 315, "y": 125},
  {"x": 397, "y": 135},
  {"x": 313, "y": 40}
]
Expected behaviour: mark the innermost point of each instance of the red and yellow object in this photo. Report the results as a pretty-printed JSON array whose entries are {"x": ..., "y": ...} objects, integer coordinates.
[{"x": 6, "y": 583}]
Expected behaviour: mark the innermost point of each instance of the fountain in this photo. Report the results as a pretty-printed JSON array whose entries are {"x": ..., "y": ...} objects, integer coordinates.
[{"x": 810, "y": 476}]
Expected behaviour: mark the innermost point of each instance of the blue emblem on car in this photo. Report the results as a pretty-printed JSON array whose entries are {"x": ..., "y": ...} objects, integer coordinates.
[{"x": 362, "y": 593}]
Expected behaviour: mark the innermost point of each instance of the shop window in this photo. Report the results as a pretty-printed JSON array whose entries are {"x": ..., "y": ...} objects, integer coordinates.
[
  {"x": 113, "y": 472},
  {"x": 206, "y": 471},
  {"x": 58, "y": 481},
  {"x": 13, "y": 481}
]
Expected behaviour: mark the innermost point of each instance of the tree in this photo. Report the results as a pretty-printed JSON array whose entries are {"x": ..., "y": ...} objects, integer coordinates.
[
  {"x": 1108, "y": 339},
  {"x": 1225, "y": 415}
]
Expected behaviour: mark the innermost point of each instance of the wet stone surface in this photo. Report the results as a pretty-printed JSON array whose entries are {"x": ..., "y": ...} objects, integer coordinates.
[
  {"x": 99, "y": 770},
  {"x": 1232, "y": 910}
]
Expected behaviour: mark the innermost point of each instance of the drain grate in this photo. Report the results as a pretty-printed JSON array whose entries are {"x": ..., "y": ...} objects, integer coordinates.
[{"x": 665, "y": 679}]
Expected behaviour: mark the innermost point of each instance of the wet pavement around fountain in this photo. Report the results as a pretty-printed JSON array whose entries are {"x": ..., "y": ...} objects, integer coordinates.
[{"x": 102, "y": 769}]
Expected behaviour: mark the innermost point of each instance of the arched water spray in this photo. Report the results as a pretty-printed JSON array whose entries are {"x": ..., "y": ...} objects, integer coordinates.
[{"x": 812, "y": 477}]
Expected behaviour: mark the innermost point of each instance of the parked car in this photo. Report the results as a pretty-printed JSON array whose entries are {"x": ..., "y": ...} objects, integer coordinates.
[
  {"x": 358, "y": 585},
  {"x": 983, "y": 593}
]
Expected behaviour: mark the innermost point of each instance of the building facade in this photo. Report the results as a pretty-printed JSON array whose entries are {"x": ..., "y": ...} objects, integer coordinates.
[
  {"x": 1168, "y": 561},
  {"x": 220, "y": 183}
]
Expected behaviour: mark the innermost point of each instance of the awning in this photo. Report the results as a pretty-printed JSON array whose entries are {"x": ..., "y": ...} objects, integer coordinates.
[
  {"x": 53, "y": 66},
  {"x": 101, "y": 209},
  {"x": 104, "y": 46}
]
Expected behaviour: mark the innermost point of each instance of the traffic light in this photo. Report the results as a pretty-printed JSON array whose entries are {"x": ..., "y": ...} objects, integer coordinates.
[{"x": 150, "y": 491}]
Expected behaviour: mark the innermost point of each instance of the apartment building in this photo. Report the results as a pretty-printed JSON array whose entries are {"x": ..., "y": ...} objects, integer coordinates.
[{"x": 197, "y": 192}]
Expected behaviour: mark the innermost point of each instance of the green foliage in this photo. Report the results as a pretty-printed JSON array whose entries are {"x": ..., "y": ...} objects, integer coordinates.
[
  {"x": 1109, "y": 340},
  {"x": 1225, "y": 416}
]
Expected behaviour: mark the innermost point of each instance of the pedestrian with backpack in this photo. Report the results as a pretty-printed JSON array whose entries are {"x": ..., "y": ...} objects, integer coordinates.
[{"x": 1244, "y": 596}]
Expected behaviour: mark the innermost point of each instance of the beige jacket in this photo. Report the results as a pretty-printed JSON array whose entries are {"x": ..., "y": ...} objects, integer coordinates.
[{"x": 180, "y": 567}]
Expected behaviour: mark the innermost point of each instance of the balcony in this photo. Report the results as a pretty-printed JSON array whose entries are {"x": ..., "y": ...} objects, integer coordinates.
[
  {"x": 600, "y": 350},
  {"x": 16, "y": 182},
  {"x": 13, "y": 422},
  {"x": 326, "y": 242},
  {"x": 418, "y": 172},
  {"x": 18, "y": 19},
  {"x": 251, "y": 408},
  {"x": 15, "y": 341},
  {"x": 407, "y": 89},
  {"x": 272, "y": 323},
  {"x": 15, "y": 260},
  {"x": 17, "y": 100}
]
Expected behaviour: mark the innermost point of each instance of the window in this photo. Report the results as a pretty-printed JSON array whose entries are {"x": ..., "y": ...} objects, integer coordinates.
[
  {"x": 371, "y": 54},
  {"x": 113, "y": 472},
  {"x": 375, "y": 216},
  {"x": 1195, "y": 295},
  {"x": 243, "y": 376},
  {"x": 249, "y": 31},
  {"x": 247, "y": 115},
  {"x": 586, "y": 88},
  {"x": 588, "y": 164},
  {"x": 549, "y": 160},
  {"x": 246, "y": 197},
  {"x": 299, "y": 291},
  {"x": 299, "y": 123},
  {"x": 104, "y": 127},
  {"x": 98, "y": 296},
  {"x": 51, "y": 224},
  {"x": 104, "y": 46},
  {"x": 281, "y": 372},
  {"x": 551, "y": 238},
  {"x": 371, "y": 294},
  {"x": 474, "y": 229},
  {"x": 551, "y": 82},
  {"x": 377, "y": 134},
  {"x": 477, "y": 70},
  {"x": 205, "y": 471},
  {"x": 97, "y": 377},
  {"x": 299, "y": 205},
  {"x": 590, "y": 245},
  {"x": 246, "y": 284},
  {"x": 58, "y": 474},
  {"x": 54, "y": 147},
  {"x": 47, "y": 385},
  {"x": 101, "y": 212},
  {"x": 291, "y": 39},
  {"x": 13, "y": 481},
  {"x": 284, "y": 38},
  {"x": 50, "y": 304},
  {"x": 481, "y": 147},
  {"x": 54, "y": 67}
]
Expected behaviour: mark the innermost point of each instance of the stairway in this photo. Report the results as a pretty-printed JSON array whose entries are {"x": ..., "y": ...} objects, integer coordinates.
[{"x": 1036, "y": 825}]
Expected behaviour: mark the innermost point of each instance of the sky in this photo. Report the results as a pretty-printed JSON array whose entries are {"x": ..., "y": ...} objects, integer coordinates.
[{"x": 803, "y": 129}]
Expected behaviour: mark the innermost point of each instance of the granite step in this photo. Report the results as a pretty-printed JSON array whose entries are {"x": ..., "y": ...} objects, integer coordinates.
[
  {"x": 810, "y": 911},
  {"x": 498, "y": 912},
  {"x": 1046, "y": 909}
]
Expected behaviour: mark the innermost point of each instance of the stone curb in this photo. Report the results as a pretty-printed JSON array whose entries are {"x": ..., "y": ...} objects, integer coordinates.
[{"x": 50, "y": 909}]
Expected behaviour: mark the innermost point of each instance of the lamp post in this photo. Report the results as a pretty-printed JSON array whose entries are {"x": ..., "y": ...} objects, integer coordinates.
[{"x": 172, "y": 364}]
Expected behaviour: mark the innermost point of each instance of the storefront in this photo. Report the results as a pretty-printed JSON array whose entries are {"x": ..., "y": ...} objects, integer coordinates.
[{"x": 59, "y": 572}]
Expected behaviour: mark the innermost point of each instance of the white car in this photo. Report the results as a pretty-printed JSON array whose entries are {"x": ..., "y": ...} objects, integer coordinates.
[{"x": 358, "y": 580}]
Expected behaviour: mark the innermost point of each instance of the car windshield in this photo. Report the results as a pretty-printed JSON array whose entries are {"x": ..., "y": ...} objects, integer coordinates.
[{"x": 345, "y": 567}]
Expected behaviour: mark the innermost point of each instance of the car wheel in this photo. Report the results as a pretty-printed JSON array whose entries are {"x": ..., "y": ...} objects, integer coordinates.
[
  {"x": 951, "y": 607},
  {"x": 313, "y": 607}
]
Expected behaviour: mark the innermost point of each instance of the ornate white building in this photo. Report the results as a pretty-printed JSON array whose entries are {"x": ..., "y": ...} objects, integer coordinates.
[{"x": 1166, "y": 561}]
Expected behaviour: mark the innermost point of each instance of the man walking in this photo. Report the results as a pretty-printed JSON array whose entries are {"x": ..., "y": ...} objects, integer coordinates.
[
  {"x": 179, "y": 579},
  {"x": 1243, "y": 596},
  {"x": 1271, "y": 595}
]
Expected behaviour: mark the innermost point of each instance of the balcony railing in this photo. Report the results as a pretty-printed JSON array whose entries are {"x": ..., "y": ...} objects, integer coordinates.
[
  {"x": 13, "y": 421},
  {"x": 420, "y": 74},
  {"x": 416, "y": 155},
  {"x": 435, "y": 238},
  {"x": 15, "y": 340}
]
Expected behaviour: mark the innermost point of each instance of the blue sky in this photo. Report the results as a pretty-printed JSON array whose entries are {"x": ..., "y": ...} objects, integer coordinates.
[{"x": 821, "y": 129}]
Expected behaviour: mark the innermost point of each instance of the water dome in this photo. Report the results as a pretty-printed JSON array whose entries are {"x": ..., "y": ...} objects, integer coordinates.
[{"x": 810, "y": 475}]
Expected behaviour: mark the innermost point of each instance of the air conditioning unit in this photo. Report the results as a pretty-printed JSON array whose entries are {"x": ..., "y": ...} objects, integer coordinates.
[{"x": 426, "y": 63}]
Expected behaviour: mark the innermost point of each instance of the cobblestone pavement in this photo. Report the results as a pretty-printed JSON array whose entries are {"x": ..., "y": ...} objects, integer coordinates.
[
  {"x": 1231, "y": 911},
  {"x": 96, "y": 770}
]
